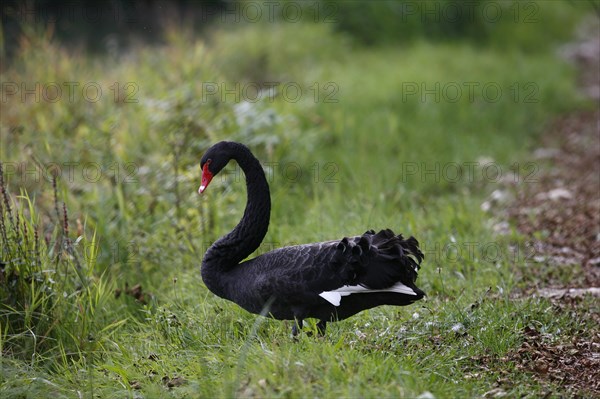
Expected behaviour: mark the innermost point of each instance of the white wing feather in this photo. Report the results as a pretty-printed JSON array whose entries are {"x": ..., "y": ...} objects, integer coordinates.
[{"x": 335, "y": 297}]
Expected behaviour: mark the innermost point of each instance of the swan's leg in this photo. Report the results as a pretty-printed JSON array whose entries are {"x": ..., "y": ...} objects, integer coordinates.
[
  {"x": 321, "y": 327},
  {"x": 297, "y": 327}
]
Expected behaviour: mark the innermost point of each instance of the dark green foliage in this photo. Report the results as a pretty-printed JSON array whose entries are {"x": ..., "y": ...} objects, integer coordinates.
[
  {"x": 506, "y": 24},
  {"x": 48, "y": 291}
]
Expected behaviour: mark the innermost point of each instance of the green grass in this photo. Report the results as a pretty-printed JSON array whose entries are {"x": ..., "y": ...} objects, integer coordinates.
[{"x": 150, "y": 227}]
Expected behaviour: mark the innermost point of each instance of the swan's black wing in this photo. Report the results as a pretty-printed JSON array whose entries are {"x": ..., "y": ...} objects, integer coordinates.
[{"x": 317, "y": 276}]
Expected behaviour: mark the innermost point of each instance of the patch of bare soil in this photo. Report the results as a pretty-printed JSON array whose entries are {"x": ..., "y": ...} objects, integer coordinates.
[
  {"x": 559, "y": 209},
  {"x": 559, "y": 212},
  {"x": 573, "y": 365}
]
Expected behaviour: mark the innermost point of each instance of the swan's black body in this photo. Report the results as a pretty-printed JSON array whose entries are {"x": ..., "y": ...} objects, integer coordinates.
[{"x": 311, "y": 280}]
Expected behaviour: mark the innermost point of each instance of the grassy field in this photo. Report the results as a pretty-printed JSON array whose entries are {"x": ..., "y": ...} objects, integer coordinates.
[{"x": 413, "y": 137}]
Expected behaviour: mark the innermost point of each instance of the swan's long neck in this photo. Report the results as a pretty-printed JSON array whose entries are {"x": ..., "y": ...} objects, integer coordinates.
[{"x": 228, "y": 251}]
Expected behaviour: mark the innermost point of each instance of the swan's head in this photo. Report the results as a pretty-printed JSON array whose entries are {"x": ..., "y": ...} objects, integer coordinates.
[{"x": 213, "y": 161}]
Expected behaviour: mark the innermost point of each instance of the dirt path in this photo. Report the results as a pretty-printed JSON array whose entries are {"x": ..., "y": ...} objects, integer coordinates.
[{"x": 559, "y": 212}]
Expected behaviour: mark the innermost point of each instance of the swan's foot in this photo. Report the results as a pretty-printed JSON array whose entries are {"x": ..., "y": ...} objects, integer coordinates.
[
  {"x": 297, "y": 327},
  {"x": 321, "y": 327}
]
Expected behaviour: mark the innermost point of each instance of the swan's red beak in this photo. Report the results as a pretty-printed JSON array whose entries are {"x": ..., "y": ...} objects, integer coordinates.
[{"x": 206, "y": 178}]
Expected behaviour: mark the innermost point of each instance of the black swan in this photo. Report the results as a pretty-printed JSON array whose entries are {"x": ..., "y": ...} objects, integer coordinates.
[{"x": 329, "y": 280}]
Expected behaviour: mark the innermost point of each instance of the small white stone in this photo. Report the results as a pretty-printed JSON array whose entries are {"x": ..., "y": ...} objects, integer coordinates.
[{"x": 559, "y": 193}]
